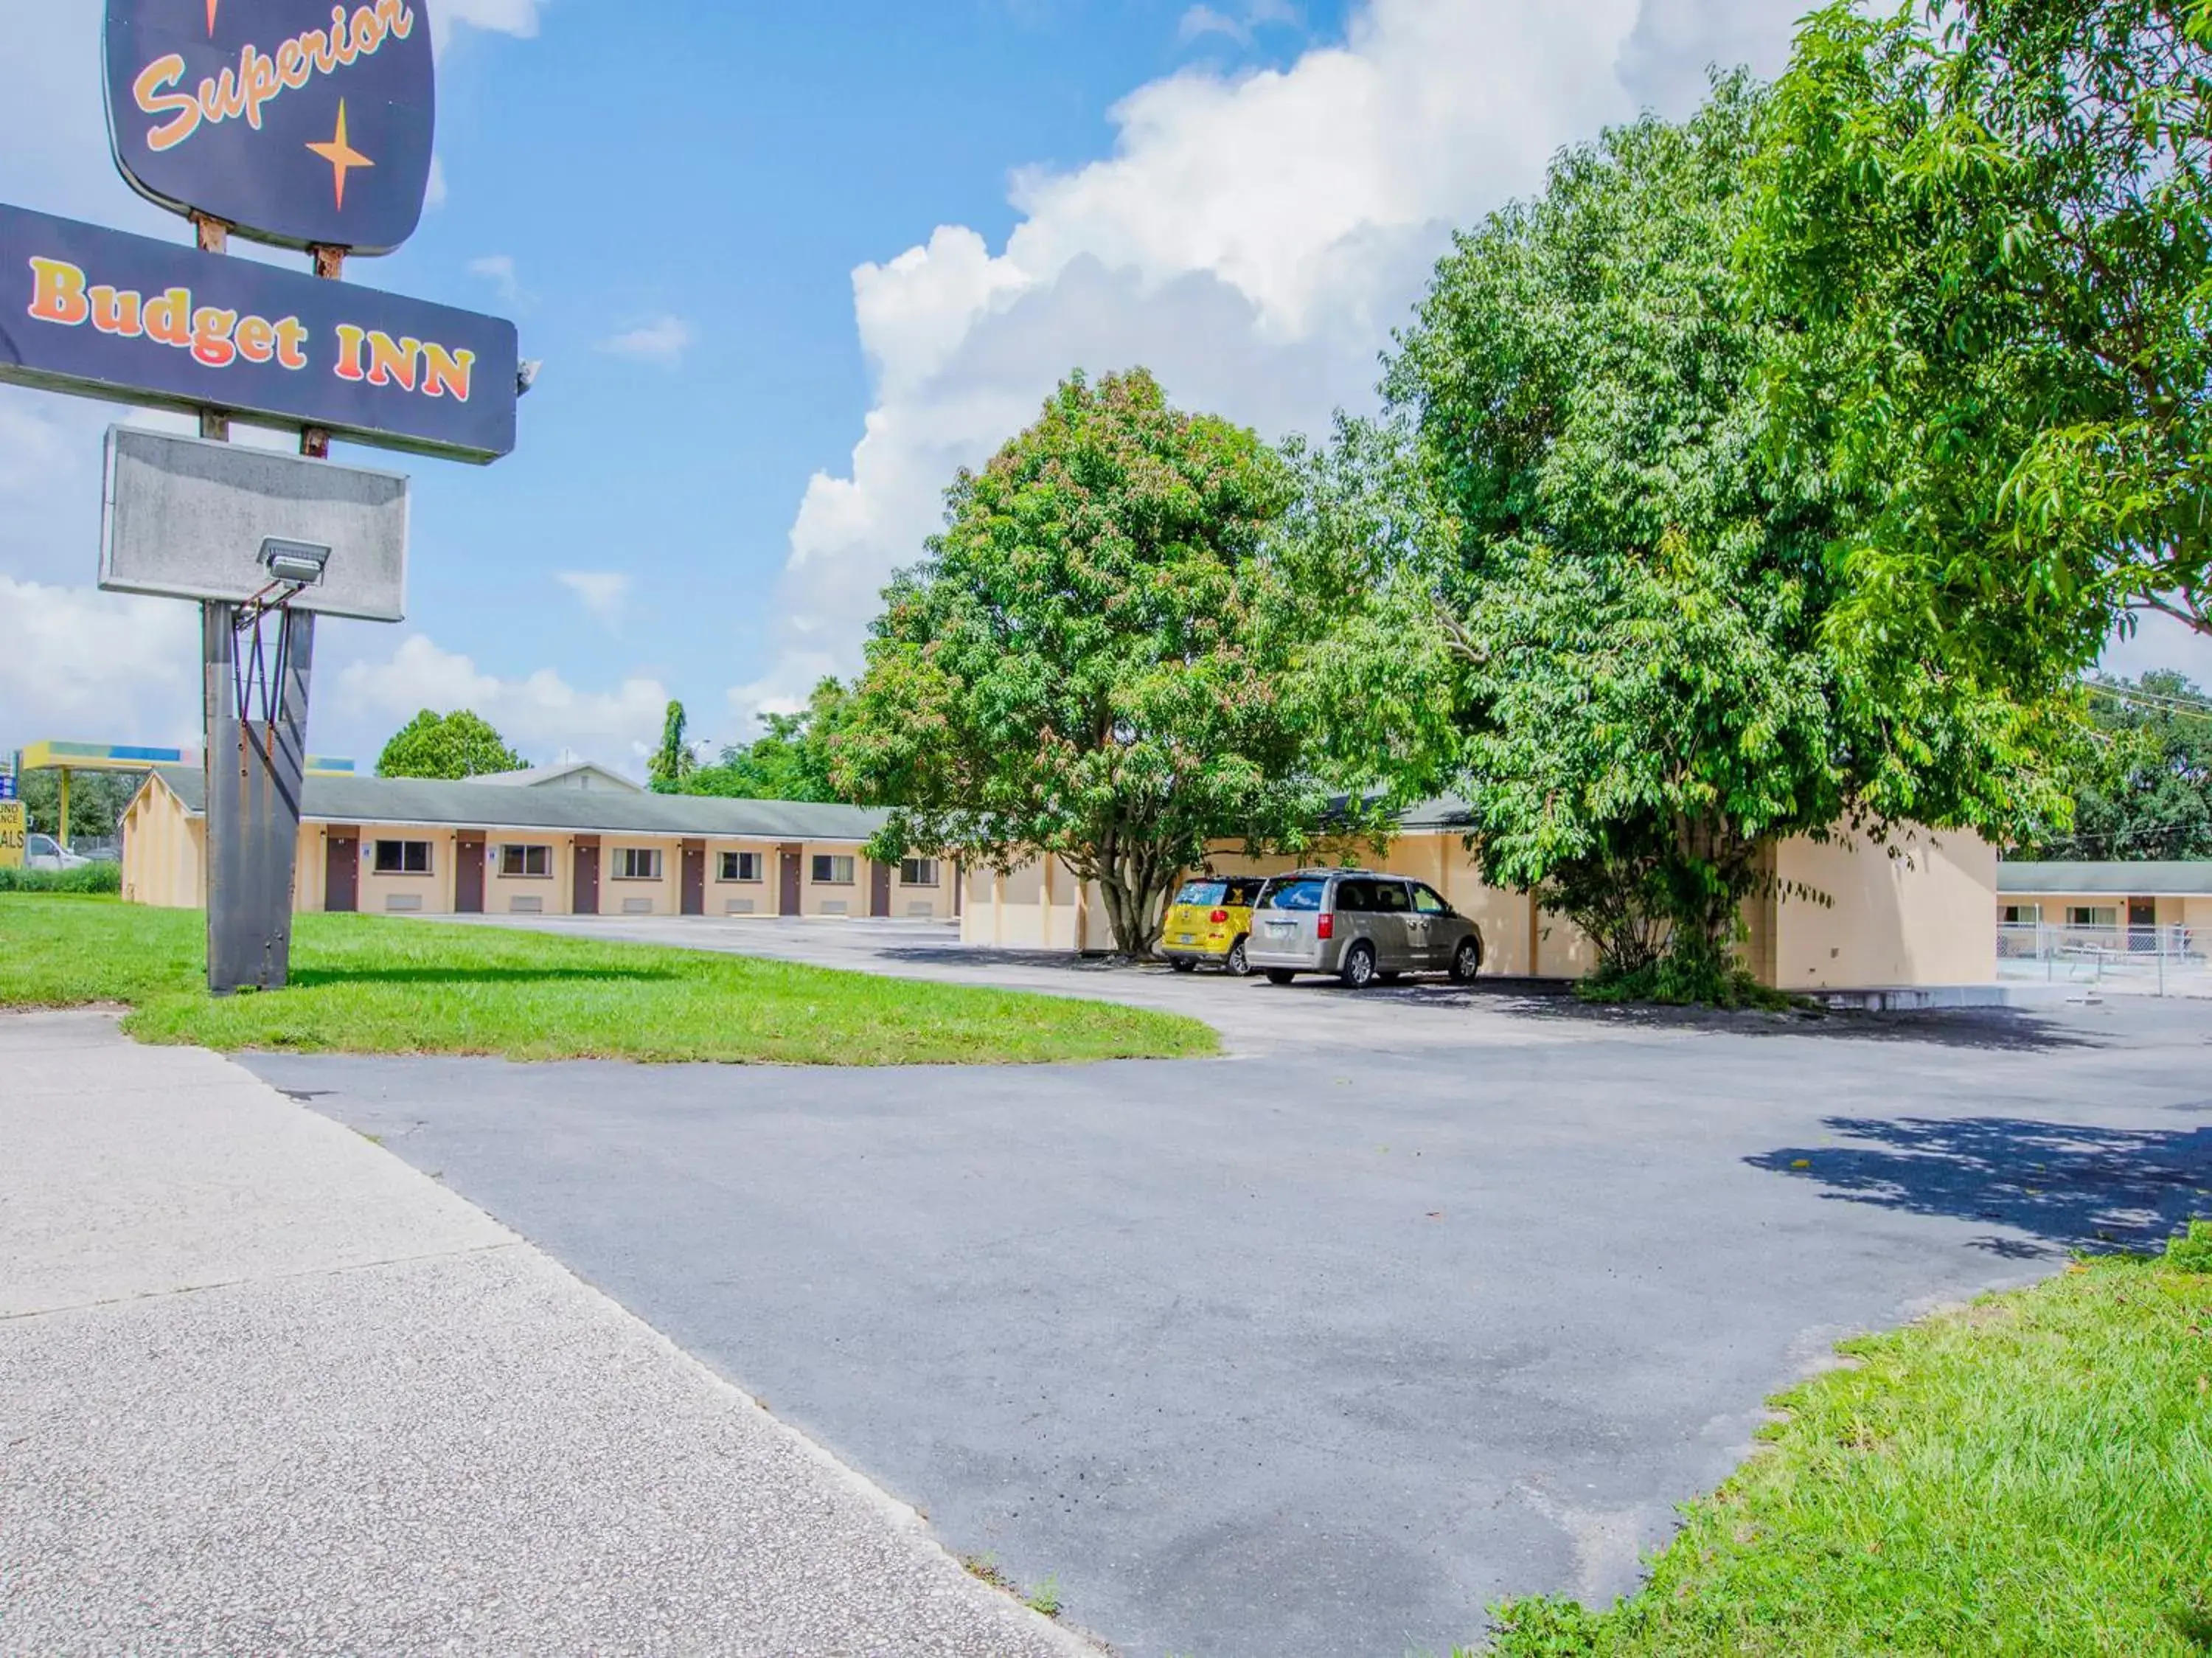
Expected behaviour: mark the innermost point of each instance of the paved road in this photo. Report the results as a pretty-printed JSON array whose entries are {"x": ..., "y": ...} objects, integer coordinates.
[
  {"x": 1314, "y": 1351},
  {"x": 266, "y": 1389}
]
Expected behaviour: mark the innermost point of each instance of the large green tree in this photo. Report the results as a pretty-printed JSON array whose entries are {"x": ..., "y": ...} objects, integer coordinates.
[
  {"x": 1090, "y": 661},
  {"x": 789, "y": 760},
  {"x": 460, "y": 744},
  {"x": 1990, "y": 223},
  {"x": 2144, "y": 779},
  {"x": 1627, "y": 585}
]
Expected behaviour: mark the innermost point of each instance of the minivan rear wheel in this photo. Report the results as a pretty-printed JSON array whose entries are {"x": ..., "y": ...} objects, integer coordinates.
[{"x": 1357, "y": 971}]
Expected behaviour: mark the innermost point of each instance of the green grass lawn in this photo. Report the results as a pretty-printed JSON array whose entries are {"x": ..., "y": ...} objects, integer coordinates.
[
  {"x": 365, "y": 984},
  {"x": 2030, "y": 1475}
]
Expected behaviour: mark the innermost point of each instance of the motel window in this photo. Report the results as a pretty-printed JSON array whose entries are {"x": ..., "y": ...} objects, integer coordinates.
[
  {"x": 403, "y": 857},
  {"x": 2023, "y": 915},
  {"x": 2083, "y": 915},
  {"x": 918, "y": 872},
  {"x": 832, "y": 871},
  {"x": 637, "y": 863},
  {"x": 526, "y": 863},
  {"x": 741, "y": 866}
]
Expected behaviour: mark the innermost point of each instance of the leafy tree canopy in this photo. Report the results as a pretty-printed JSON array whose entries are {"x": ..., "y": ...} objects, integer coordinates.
[
  {"x": 1093, "y": 660},
  {"x": 456, "y": 745},
  {"x": 2144, "y": 780},
  {"x": 97, "y": 801},
  {"x": 672, "y": 762},
  {"x": 791, "y": 760},
  {"x": 1624, "y": 588},
  {"x": 1991, "y": 223}
]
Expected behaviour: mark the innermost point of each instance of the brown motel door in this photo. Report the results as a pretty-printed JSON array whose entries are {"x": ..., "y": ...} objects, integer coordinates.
[
  {"x": 879, "y": 889},
  {"x": 694, "y": 877},
  {"x": 469, "y": 875},
  {"x": 342, "y": 871},
  {"x": 585, "y": 892},
  {"x": 788, "y": 870}
]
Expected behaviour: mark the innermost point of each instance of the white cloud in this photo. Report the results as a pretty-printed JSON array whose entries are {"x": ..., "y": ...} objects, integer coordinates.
[
  {"x": 1203, "y": 19},
  {"x": 97, "y": 667},
  {"x": 497, "y": 268},
  {"x": 602, "y": 592},
  {"x": 662, "y": 340},
  {"x": 538, "y": 714},
  {"x": 1253, "y": 239},
  {"x": 515, "y": 17}
]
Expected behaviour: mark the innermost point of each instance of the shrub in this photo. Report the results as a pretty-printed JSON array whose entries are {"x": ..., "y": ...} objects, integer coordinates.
[
  {"x": 2192, "y": 1251},
  {"x": 93, "y": 878}
]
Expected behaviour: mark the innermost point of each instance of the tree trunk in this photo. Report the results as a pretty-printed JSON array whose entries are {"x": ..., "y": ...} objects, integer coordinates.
[{"x": 1135, "y": 880}]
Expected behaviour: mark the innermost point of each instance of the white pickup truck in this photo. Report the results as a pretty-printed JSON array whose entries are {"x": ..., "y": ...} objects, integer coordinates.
[{"x": 45, "y": 852}]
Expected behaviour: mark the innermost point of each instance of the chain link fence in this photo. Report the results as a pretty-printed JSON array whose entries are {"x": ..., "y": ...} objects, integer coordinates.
[{"x": 2142, "y": 960}]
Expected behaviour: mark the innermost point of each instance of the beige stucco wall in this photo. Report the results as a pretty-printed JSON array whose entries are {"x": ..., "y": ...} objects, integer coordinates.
[
  {"x": 549, "y": 894},
  {"x": 1922, "y": 917},
  {"x": 922, "y": 903},
  {"x": 163, "y": 866},
  {"x": 724, "y": 896},
  {"x": 426, "y": 894},
  {"x": 660, "y": 896},
  {"x": 1916, "y": 912}
]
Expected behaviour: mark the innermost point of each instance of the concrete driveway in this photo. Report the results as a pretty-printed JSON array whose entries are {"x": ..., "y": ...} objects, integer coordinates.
[{"x": 1422, "y": 1300}]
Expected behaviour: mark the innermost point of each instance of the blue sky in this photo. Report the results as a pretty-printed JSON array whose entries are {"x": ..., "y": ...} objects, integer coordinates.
[{"x": 787, "y": 268}]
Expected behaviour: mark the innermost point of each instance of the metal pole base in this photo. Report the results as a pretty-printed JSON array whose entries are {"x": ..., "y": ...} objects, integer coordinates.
[{"x": 257, "y": 721}]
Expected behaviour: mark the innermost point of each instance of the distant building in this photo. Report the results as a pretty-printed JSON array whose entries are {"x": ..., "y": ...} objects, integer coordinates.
[
  {"x": 581, "y": 841},
  {"x": 2135, "y": 897},
  {"x": 574, "y": 774}
]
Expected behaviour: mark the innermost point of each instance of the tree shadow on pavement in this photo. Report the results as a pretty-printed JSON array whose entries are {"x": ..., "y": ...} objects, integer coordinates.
[
  {"x": 2002, "y": 1030},
  {"x": 2071, "y": 1185}
]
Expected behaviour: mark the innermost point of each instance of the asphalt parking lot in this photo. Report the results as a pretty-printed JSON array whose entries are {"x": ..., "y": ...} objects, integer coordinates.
[{"x": 1423, "y": 1299}]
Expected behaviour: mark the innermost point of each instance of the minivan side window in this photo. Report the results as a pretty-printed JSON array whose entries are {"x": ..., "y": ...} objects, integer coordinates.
[
  {"x": 1390, "y": 897},
  {"x": 1354, "y": 898},
  {"x": 1429, "y": 902}
]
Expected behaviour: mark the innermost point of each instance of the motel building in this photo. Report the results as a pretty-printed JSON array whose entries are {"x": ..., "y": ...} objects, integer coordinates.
[
  {"x": 558, "y": 841},
  {"x": 1921, "y": 920},
  {"x": 1925, "y": 912}
]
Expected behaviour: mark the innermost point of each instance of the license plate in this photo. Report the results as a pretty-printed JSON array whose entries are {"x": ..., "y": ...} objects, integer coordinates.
[
  {"x": 1185, "y": 938},
  {"x": 1281, "y": 929}
]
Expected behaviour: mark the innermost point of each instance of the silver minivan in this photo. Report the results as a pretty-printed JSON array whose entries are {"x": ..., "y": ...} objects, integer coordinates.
[{"x": 1360, "y": 926}]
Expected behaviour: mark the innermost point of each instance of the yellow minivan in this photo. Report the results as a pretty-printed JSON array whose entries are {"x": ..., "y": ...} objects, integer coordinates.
[{"x": 1210, "y": 921}]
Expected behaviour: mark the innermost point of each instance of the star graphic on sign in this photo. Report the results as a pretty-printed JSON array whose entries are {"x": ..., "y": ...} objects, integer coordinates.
[
  {"x": 341, "y": 156},
  {"x": 213, "y": 6}
]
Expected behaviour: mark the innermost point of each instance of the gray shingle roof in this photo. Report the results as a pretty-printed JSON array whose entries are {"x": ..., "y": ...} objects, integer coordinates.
[
  {"x": 1447, "y": 812},
  {"x": 2115, "y": 880},
  {"x": 578, "y": 811}
]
